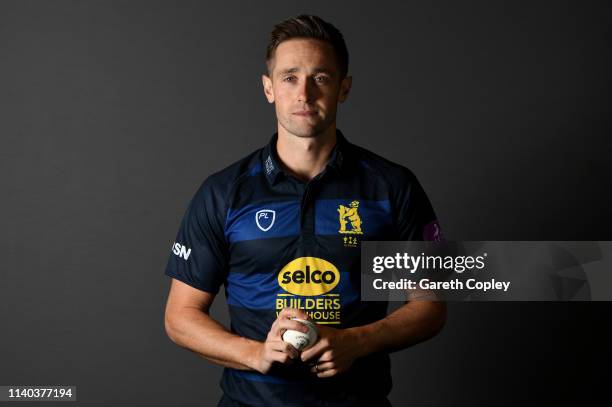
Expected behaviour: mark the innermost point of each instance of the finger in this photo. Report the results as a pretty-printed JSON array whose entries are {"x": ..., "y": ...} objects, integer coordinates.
[
  {"x": 325, "y": 357},
  {"x": 285, "y": 324},
  {"x": 284, "y": 347},
  {"x": 273, "y": 328},
  {"x": 280, "y": 329},
  {"x": 280, "y": 357},
  {"x": 322, "y": 367},
  {"x": 328, "y": 373},
  {"x": 313, "y": 352},
  {"x": 288, "y": 313}
]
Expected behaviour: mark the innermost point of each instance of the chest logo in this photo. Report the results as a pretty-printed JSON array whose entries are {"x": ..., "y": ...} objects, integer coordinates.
[
  {"x": 308, "y": 276},
  {"x": 350, "y": 221},
  {"x": 265, "y": 219}
]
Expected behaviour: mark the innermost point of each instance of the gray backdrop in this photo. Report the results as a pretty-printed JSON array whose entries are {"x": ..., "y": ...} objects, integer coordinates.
[{"x": 112, "y": 113}]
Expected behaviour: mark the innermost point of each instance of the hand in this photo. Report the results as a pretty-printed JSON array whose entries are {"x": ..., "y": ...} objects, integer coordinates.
[
  {"x": 334, "y": 352},
  {"x": 274, "y": 349}
]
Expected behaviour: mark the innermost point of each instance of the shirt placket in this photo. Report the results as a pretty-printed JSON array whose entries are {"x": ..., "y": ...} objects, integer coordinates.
[{"x": 307, "y": 211}]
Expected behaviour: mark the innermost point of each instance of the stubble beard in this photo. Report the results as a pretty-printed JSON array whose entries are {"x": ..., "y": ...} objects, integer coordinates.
[{"x": 306, "y": 131}]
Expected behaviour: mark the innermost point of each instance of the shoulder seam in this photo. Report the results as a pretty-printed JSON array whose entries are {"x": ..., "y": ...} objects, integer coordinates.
[
  {"x": 373, "y": 161},
  {"x": 232, "y": 188},
  {"x": 375, "y": 166}
]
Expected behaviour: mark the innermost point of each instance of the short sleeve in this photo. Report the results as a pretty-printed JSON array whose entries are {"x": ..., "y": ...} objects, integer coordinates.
[
  {"x": 198, "y": 256},
  {"x": 415, "y": 217}
]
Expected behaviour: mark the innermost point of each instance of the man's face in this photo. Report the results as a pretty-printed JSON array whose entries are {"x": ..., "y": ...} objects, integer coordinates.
[{"x": 305, "y": 86}]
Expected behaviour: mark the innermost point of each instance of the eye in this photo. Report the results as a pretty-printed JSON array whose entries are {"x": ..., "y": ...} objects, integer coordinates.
[
  {"x": 289, "y": 79},
  {"x": 322, "y": 79}
]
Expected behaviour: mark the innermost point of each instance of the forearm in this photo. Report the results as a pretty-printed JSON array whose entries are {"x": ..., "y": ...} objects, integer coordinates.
[
  {"x": 410, "y": 324},
  {"x": 195, "y": 330}
]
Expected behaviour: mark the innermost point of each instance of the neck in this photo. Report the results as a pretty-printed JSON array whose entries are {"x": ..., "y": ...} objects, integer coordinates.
[{"x": 305, "y": 157}]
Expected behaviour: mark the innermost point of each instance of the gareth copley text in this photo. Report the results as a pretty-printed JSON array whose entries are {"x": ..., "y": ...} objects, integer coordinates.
[{"x": 426, "y": 284}]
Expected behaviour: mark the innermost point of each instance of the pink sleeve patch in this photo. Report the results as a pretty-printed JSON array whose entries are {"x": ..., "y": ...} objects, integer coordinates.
[{"x": 432, "y": 232}]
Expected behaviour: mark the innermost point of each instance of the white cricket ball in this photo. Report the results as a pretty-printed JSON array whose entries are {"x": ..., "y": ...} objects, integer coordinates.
[{"x": 301, "y": 340}]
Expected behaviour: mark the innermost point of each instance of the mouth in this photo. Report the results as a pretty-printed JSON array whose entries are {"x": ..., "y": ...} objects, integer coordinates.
[{"x": 305, "y": 113}]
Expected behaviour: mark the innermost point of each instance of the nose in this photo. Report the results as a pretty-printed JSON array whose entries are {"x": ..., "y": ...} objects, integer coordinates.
[{"x": 306, "y": 91}]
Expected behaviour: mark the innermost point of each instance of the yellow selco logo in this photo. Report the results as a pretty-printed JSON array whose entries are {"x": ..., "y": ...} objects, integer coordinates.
[{"x": 309, "y": 276}]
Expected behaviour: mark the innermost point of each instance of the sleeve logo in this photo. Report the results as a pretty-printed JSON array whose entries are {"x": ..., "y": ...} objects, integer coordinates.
[
  {"x": 180, "y": 250},
  {"x": 432, "y": 232}
]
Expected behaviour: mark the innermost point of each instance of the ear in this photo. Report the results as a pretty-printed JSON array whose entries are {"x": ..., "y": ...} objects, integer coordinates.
[
  {"x": 345, "y": 88},
  {"x": 267, "y": 86}
]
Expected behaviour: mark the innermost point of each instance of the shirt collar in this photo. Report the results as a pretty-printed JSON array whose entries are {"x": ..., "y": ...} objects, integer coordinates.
[{"x": 273, "y": 170}]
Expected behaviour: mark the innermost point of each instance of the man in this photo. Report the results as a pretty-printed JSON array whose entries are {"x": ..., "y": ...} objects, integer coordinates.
[{"x": 281, "y": 229}]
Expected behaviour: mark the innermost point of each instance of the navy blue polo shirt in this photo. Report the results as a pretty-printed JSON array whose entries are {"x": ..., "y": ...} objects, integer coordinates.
[{"x": 274, "y": 241}]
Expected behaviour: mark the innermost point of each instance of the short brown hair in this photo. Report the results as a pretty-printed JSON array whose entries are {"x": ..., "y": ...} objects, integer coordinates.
[{"x": 309, "y": 26}]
